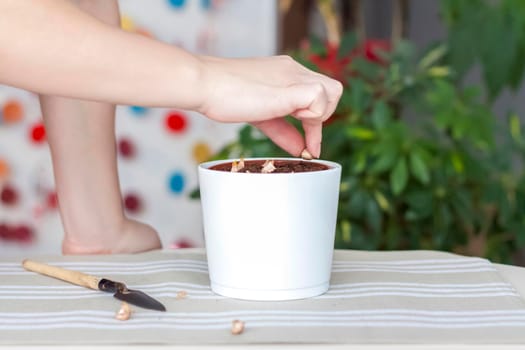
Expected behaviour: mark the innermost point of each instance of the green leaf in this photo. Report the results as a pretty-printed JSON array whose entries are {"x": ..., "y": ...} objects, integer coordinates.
[
  {"x": 399, "y": 177},
  {"x": 345, "y": 103},
  {"x": 442, "y": 221},
  {"x": 457, "y": 162},
  {"x": 382, "y": 201},
  {"x": 359, "y": 238},
  {"x": 358, "y": 95},
  {"x": 498, "y": 38},
  {"x": 245, "y": 136},
  {"x": 356, "y": 205},
  {"x": 518, "y": 230},
  {"x": 381, "y": 115},
  {"x": 433, "y": 56},
  {"x": 461, "y": 203},
  {"x": 515, "y": 127},
  {"x": 373, "y": 215},
  {"x": 404, "y": 50},
  {"x": 346, "y": 231},
  {"x": 420, "y": 203},
  {"x": 317, "y": 46},
  {"x": 504, "y": 208},
  {"x": 360, "y": 159},
  {"x": 418, "y": 167},
  {"x": 348, "y": 43},
  {"x": 195, "y": 193},
  {"x": 366, "y": 69},
  {"x": 393, "y": 237},
  {"x": 385, "y": 161},
  {"x": 439, "y": 72},
  {"x": 517, "y": 68},
  {"x": 228, "y": 151},
  {"x": 360, "y": 133}
]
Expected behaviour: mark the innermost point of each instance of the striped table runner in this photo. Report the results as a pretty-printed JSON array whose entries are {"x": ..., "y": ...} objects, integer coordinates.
[{"x": 375, "y": 297}]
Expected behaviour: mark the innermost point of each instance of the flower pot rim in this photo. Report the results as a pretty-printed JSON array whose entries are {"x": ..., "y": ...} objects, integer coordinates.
[{"x": 332, "y": 166}]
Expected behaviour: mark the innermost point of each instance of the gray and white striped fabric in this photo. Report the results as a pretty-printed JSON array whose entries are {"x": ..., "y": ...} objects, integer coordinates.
[{"x": 375, "y": 297}]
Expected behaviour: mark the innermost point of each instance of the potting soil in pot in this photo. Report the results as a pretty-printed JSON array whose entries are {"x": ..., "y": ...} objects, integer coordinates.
[{"x": 281, "y": 166}]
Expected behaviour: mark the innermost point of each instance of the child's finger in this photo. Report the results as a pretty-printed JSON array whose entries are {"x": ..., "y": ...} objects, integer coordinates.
[
  {"x": 313, "y": 132},
  {"x": 282, "y": 134}
]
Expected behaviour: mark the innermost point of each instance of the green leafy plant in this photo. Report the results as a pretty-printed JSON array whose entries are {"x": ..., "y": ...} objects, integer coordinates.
[{"x": 426, "y": 162}]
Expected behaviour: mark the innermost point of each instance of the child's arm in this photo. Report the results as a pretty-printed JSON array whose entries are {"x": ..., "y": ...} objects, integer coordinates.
[{"x": 51, "y": 47}]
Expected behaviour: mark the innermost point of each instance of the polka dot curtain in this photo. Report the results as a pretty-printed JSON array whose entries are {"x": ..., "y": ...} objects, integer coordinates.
[{"x": 158, "y": 149}]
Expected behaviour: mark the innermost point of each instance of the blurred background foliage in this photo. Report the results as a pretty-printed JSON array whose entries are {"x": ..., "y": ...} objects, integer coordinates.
[{"x": 427, "y": 164}]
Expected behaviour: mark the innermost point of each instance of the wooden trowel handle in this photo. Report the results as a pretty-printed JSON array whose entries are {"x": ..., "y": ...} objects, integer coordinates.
[{"x": 74, "y": 277}]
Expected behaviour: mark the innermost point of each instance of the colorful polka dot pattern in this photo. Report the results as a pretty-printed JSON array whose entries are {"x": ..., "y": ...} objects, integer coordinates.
[{"x": 157, "y": 149}]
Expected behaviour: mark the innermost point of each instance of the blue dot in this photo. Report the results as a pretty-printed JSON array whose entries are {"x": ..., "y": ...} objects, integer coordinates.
[
  {"x": 138, "y": 110},
  {"x": 176, "y": 3},
  {"x": 176, "y": 182},
  {"x": 206, "y": 4}
]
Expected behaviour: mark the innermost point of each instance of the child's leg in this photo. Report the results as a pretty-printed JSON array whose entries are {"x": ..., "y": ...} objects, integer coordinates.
[{"x": 81, "y": 136}]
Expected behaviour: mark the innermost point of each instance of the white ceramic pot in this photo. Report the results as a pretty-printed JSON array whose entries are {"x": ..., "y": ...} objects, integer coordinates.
[{"x": 269, "y": 236}]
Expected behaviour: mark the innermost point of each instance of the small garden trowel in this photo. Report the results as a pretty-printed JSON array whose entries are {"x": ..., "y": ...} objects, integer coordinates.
[{"x": 119, "y": 290}]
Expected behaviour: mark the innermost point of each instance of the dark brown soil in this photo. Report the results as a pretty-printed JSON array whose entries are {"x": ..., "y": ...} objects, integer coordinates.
[{"x": 281, "y": 166}]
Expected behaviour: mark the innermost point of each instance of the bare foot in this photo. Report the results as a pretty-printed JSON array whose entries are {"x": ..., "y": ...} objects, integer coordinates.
[{"x": 131, "y": 237}]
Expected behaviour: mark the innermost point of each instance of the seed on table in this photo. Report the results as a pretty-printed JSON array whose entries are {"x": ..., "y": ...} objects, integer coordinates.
[
  {"x": 181, "y": 294},
  {"x": 124, "y": 313},
  {"x": 237, "y": 327}
]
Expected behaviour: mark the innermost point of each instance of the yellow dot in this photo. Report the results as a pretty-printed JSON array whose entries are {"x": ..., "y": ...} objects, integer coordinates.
[
  {"x": 127, "y": 24},
  {"x": 201, "y": 152}
]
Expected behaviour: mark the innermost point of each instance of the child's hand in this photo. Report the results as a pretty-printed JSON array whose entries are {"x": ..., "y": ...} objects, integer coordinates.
[{"x": 264, "y": 90}]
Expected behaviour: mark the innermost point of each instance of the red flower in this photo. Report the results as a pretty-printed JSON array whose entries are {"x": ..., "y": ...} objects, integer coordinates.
[
  {"x": 373, "y": 49},
  {"x": 330, "y": 64}
]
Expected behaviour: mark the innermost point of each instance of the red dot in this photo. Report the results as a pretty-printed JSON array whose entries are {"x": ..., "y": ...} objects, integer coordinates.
[
  {"x": 182, "y": 243},
  {"x": 52, "y": 200},
  {"x": 126, "y": 148},
  {"x": 5, "y": 231},
  {"x": 176, "y": 122},
  {"x": 132, "y": 203},
  {"x": 9, "y": 195},
  {"x": 23, "y": 233},
  {"x": 38, "y": 133}
]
